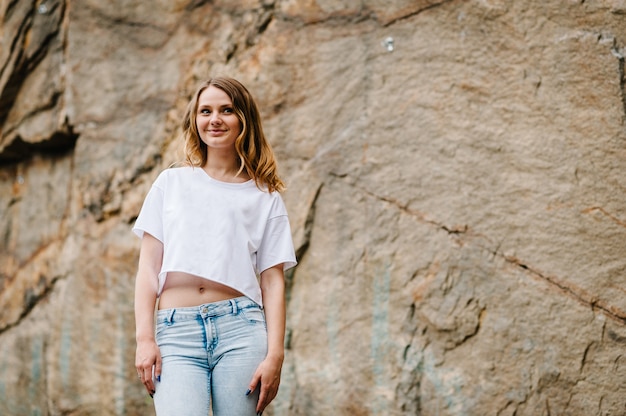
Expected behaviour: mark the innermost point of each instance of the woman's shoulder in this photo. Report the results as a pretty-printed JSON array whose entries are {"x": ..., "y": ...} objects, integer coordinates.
[
  {"x": 179, "y": 167},
  {"x": 275, "y": 201},
  {"x": 172, "y": 173},
  {"x": 177, "y": 170}
]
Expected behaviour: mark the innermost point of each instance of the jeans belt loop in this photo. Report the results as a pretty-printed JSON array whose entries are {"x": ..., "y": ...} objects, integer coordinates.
[
  {"x": 170, "y": 316},
  {"x": 233, "y": 304}
]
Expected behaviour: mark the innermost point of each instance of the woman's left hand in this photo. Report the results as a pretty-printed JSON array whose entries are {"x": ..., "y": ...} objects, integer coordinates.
[{"x": 268, "y": 374}]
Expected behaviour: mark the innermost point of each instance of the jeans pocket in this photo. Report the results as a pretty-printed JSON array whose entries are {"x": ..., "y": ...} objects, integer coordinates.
[{"x": 252, "y": 315}]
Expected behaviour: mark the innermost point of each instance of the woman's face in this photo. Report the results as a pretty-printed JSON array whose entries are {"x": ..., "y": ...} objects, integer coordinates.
[{"x": 216, "y": 120}]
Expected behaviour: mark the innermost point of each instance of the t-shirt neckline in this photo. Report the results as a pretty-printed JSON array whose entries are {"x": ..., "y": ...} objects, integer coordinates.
[{"x": 223, "y": 183}]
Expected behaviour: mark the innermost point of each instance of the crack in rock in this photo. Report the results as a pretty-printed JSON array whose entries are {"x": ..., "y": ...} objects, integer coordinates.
[
  {"x": 29, "y": 47},
  {"x": 58, "y": 143},
  {"x": 605, "y": 213},
  {"x": 417, "y": 12},
  {"x": 31, "y": 300},
  {"x": 577, "y": 293}
]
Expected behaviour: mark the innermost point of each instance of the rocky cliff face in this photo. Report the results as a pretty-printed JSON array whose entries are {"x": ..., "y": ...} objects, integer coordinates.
[{"x": 456, "y": 192}]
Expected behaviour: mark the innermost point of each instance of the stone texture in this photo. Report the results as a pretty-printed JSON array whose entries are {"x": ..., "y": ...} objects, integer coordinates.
[{"x": 456, "y": 202}]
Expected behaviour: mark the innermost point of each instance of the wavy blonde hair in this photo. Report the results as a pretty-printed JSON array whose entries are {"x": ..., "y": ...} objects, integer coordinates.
[{"x": 255, "y": 154}]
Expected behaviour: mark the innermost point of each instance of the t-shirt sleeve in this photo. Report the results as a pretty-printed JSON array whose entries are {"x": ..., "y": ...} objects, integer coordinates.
[
  {"x": 277, "y": 245},
  {"x": 150, "y": 219}
]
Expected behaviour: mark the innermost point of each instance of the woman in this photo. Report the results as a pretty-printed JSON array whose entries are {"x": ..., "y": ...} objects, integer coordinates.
[{"x": 215, "y": 244}]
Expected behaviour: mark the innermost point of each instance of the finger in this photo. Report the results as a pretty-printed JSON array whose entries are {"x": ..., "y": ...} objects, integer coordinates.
[
  {"x": 149, "y": 382},
  {"x": 253, "y": 383},
  {"x": 157, "y": 368},
  {"x": 266, "y": 395},
  {"x": 150, "y": 389},
  {"x": 145, "y": 375},
  {"x": 263, "y": 395}
]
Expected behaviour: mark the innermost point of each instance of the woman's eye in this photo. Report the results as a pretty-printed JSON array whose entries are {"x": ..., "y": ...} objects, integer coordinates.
[
  {"x": 205, "y": 111},
  {"x": 228, "y": 110}
]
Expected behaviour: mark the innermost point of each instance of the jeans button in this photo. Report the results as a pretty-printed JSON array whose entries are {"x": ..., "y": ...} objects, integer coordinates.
[{"x": 205, "y": 309}]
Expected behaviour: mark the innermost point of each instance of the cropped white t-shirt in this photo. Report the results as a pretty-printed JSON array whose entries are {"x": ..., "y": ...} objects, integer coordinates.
[{"x": 220, "y": 231}]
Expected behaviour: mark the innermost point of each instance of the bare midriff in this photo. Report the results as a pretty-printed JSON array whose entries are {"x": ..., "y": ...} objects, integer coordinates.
[{"x": 183, "y": 290}]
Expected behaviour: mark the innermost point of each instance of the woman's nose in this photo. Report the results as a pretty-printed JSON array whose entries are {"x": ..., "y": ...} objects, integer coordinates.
[{"x": 215, "y": 118}]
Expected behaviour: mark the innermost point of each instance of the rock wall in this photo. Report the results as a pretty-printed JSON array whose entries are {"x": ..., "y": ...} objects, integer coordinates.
[{"x": 456, "y": 192}]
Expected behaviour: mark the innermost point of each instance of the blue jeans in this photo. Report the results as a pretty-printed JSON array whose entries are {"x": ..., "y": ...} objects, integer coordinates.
[{"x": 210, "y": 353}]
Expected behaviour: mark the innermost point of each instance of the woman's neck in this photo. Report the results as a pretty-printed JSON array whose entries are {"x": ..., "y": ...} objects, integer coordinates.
[{"x": 225, "y": 171}]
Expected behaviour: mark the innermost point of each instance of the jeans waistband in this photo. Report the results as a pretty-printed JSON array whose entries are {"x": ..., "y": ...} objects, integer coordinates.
[{"x": 222, "y": 307}]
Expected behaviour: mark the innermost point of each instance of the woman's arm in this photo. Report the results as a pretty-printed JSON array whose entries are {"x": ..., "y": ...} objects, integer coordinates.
[
  {"x": 268, "y": 372},
  {"x": 147, "y": 356}
]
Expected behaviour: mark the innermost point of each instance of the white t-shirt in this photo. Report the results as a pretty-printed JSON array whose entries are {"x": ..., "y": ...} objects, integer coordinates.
[{"x": 220, "y": 231}]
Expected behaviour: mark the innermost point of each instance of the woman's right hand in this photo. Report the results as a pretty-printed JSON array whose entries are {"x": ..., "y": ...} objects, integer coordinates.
[{"x": 148, "y": 364}]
